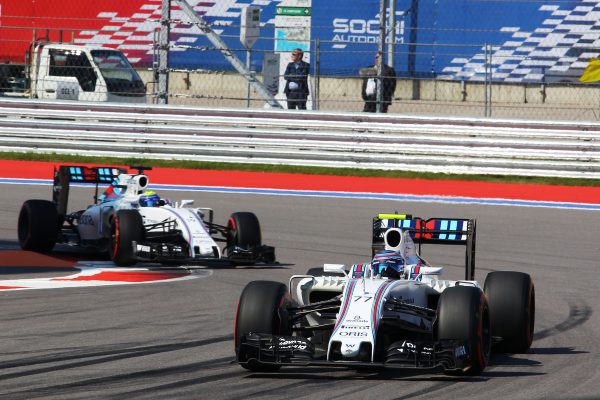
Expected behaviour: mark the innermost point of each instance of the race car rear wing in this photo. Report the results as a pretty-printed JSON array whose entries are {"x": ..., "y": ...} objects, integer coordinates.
[
  {"x": 447, "y": 231},
  {"x": 65, "y": 174}
]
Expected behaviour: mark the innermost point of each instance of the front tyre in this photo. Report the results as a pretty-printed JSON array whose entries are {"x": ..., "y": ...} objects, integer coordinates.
[
  {"x": 261, "y": 309},
  {"x": 127, "y": 227},
  {"x": 243, "y": 230},
  {"x": 463, "y": 315},
  {"x": 38, "y": 225},
  {"x": 511, "y": 296}
]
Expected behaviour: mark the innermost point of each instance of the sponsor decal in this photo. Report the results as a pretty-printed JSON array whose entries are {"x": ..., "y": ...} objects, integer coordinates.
[
  {"x": 358, "y": 319},
  {"x": 359, "y": 327},
  {"x": 361, "y": 30},
  {"x": 288, "y": 344},
  {"x": 353, "y": 334},
  {"x": 86, "y": 220},
  {"x": 362, "y": 298}
]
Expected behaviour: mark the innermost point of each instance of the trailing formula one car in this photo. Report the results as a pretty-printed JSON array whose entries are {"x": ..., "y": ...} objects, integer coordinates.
[
  {"x": 132, "y": 223},
  {"x": 393, "y": 312}
]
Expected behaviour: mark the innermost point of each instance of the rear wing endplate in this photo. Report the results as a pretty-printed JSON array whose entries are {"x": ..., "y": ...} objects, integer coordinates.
[
  {"x": 65, "y": 174},
  {"x": 447, "y": 231}
]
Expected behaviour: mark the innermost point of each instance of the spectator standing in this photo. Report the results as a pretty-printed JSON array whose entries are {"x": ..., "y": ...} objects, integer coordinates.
[
  {"x": 369, "y": 86},
  {"x": 296, "y": 86}
]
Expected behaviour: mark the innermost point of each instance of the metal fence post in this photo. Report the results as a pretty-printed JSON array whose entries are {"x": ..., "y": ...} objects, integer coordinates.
[
  {"x": 488, "y": 80},
  {"x": 380, "y": 53},
  {"x": 163, "y": 53},
  {"x": 317, "y": 72},
  {"x": 392, "y": 34},
  {"x": 220, "y": 44}
]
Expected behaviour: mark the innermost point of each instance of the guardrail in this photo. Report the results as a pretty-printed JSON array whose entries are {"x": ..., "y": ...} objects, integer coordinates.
[{"x": 269, "y": 136}]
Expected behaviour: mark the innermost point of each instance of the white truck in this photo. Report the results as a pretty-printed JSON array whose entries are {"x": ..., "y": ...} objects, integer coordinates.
[{"x": 73, "y": 72}]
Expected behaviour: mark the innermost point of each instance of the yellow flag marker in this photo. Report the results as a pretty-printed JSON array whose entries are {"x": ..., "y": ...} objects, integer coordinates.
[{"x": 592, "y": 71}]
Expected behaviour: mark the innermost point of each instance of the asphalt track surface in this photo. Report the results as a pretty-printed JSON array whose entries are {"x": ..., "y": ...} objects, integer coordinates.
[{"x": 173, "y": 340}]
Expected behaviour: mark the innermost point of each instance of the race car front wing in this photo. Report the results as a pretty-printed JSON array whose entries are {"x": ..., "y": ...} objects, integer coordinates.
[{"x": 447, "y": 355}]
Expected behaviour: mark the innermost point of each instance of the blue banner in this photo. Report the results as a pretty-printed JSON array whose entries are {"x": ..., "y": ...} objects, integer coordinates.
[{"x": 524, "y": 41}]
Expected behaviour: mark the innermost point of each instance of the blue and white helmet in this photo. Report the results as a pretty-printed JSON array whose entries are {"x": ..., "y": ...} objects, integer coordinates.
[
  {"x": 388, "y": 263},
  {"x": 149, "y": 199}
]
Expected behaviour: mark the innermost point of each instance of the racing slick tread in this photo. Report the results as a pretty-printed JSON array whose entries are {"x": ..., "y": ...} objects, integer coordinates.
[
  {"x": 127, "y": 227},
  {"x": 38, "y": 225},
  {"x": 511, "y": 296},
  {"x": 463, "y": 314},
  {"x": 244, "y": 230},
  {"x": 261, "y": 309}
]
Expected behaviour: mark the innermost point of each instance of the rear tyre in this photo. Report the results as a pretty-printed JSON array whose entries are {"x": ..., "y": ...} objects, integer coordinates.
[
  {"x": 243, "y": 230},
  {"x": 261, "y": 309},
  {"x": 127, "y": 227},
  {"x": 38, "y": 225},
  {"x": 463, "y": 315},
  {"x": 511, "y": 296}
]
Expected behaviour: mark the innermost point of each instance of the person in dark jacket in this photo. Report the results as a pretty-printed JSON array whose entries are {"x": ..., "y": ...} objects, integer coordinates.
[
  {"x": 369, "y": 87},
  {"x": 296, "y": 85}
]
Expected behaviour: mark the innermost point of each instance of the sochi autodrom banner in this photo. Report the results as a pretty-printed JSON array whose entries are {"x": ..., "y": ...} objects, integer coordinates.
[{"x": 525, "y": 41}]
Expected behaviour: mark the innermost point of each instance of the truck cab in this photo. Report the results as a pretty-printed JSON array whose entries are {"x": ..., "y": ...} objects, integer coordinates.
[{"x": 85, "y": 73}]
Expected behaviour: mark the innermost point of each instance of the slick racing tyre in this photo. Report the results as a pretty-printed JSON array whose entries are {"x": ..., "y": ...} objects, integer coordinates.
[
  {"x": 261, "y": 309},
  {"x": 243, "y": 230},
  {"x": 463, "y": 315},
  {"x": 38, "y": 225},
  {"x": 127, "y": 227},
  {"x": 511, "y": 296}
]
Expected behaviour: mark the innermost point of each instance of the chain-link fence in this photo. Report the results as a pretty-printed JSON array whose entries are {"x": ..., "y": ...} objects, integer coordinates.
[{"x": 514, "y": 58}]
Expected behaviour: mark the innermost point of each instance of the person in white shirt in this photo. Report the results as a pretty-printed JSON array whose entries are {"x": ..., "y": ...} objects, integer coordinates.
[{"x": 369, "y": 87}]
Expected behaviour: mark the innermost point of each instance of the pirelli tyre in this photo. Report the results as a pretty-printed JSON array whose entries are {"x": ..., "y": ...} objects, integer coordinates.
[
  {"x": 243, "y": 230},
  {"x": 127, "y": 227},
  {"x": 511, "y": 296},
  {"x": 38, "y": 225},
  {"x": 261, "y": 309},
  {"x": 463, "y": 315}
]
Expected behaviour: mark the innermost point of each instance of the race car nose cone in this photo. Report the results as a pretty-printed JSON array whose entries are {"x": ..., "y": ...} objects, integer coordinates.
[{"x": 350, "y": 349}]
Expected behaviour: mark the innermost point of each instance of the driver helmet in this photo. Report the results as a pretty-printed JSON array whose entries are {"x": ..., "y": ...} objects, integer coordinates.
[
  {"x": 388, "y": 263},
  {"x": 149, "y": 199}
]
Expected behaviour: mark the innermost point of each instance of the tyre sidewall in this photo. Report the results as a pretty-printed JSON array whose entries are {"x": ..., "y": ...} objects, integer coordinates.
[
  {"x": 127, "y": 227},
  {"x": 261, "y": 309},
  {"x": 511, "y": 297},
  {"x": 38, "y": 225},
  {"x": 463, "y": 315},
  {"x": 243, "y": 230}
]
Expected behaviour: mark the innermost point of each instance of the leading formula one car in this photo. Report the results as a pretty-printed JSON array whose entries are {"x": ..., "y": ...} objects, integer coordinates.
[
  {"x": 395, "y": 311},
  {"x": 132, "y": 223}
]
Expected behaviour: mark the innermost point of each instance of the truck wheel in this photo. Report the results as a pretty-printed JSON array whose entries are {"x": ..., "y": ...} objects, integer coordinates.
[
  {"x": 463, "y": 315},
  {"x": 261, "y": 309},
  {"x": 127, "y": 227},
  {"x": 243, "y": 230},
  {"x": 511, "y": 296},
  {"x": 38, "y": 225}
]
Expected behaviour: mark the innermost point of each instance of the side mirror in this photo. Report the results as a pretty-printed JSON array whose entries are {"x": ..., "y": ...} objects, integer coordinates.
[
  {"x": 185, "y": 203},
  {"x": 339, "y": 268}
]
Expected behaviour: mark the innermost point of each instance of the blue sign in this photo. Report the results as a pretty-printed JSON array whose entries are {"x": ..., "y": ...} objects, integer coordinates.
[{"x": 525, "y": 41}]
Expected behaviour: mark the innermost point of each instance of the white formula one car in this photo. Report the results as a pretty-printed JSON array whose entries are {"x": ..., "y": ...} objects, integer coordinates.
[
  {"x": 134, "y": 224},
  {"x": 394, "y": 312}
]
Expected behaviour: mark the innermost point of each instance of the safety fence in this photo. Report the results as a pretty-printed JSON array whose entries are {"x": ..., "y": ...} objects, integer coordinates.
[
  {"x": 350, "y": 140},
  {"x": 476, "y": 58}
]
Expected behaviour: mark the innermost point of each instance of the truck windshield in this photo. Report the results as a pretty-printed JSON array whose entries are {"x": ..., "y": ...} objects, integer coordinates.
[{"x": 121, "y": 78}]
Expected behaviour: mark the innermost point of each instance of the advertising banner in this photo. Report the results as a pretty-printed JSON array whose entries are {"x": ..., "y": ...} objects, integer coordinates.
[{"x": 527, "y": 41}]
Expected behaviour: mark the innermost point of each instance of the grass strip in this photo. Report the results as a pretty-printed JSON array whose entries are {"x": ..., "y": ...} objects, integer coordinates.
[{"x": 64, "y": 158}]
